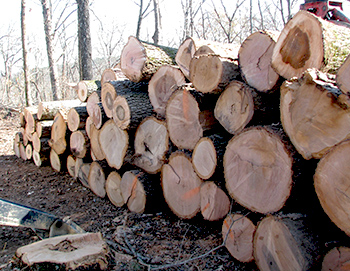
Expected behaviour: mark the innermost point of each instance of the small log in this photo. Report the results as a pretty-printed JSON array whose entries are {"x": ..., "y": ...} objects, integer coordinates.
[
  {"x": 215, "y": 204},
  {"x": 86, "y": 87},
  {"x": 76, "y": 118},
  {"x": 31, "y": 117},
  {"x": 88, "y": 124},
  {"x": 97, "y": 179},
  {"x": 83, "y": 174},
  {"x": 16, "y": 148},
  {"x": 40, "y": 144},
  {"x": 254, "y": 59},
  {"x": 238, "y": 232},
  {"x": 151, "y": 145},
  {"x": 58, "y": 140},
  {"x": 140, "y": 60},
  {"x": 96, "y": 149},
  {"x": 112, "y": 75},
  {"x": 79, "y": 143},
  {"x": 29, "y": 151},
  {"x": 113, "y": 189},
  {"x": 98, "y": 115},
  {"x": 78, "y": 163},
  {"x": 22, "y": 151},
  {"x": 314, "y": 113},
  {"x": 342, "y": 78},
  {"x": 48, "y": 110},
  {"x": 43, "y": 128},
  {"x": 71, "y": 165},
  {"x": 94, "y": 98},
  {"x": 258, "y": 170},
  {"x": 162, "y": 84},
  {"x": 114, "y": 144},
  {"x": 40, "y": 158},
  {"x": 235, "y": 107},
  {"x": 308, "y": 41},
  {"x": 58, "y": 161},
  {"x": 337, "y": 259},
  {"x": 181, "y": 186},
  {"x": 22, "y": 119}
]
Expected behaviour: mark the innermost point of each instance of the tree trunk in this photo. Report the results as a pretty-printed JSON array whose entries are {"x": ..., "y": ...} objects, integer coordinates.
[
  {"x": 238, "y": 232},
  {"x": 96, "y": 149},
  {"x": 181, "y": 186},
  {"x": 140, "y": 60},
  {"x": 86, "y": 87},
  {"x": 314, "y": 114},
  {"x": 58, "y": 141},
  {"x": 254, "y": 59},
  {"x": 97, "y": 179},
  {"x": 113, "y": 190},
  {"x": 151, "y": 145},
  {"x": 76, "y": 118},
  {"x": 79, "y": 143},
  {"x": 235, "y": 107},
  {"x": 258, "y": 170},
  {"x": 24, "y": 52},
  {"x": 310, "y": 42},
  {"x": 337, "y": 259},
  {"x": 48, "y": 110},
  {"x": 162, "y": 84}
]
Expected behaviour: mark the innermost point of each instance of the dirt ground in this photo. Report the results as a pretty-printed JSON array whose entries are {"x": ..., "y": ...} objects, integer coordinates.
[{"x": 158, "y": 240}]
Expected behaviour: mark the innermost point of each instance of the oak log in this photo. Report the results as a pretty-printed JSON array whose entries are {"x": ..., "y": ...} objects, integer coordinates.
[{"x": 86, "y": 87}]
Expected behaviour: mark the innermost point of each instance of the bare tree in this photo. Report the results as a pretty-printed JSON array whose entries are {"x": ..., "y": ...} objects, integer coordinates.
[
  {"x": 190, "y": 10},
  {"x": 157, "y": 22},
  {"x": 142, "y": 15},
  {"x": 24, "y": 51},
  {"x": 251, "y": 16}
]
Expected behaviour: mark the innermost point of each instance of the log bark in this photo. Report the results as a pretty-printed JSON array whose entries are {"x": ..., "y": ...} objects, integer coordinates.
[
  {"x": 97, "y": 179},
  {"x": 215, "y": 204},
  {"x": 254, "y": 59},
  {"x": 114, "y": 144},
  {"x": 43, "y": 128},
  {"x": 237, "y": 233},
  {"x": 76, "y": 118},
  {"x": 331, "y": 182},
  {"x": 337, "y": 259},
  {"x": 140, "y": 60},
  {"x": 113, "y": 189},
  {"x": 58, "y": 141},
  {"x": 48, "y": 110},
  {"x": 83, "y": 174},
  {"x": 258, "y": 170},
  {"x": 86, "y": 87},
  {"x": 181, "y": 186},
  {"x": 151, "y": 145},
  {"x": 162, "y": 84},
  {"x": 235, "y": 107},
  {"x": 308, "y": 41},
  {"x": 342, "y": 78},
  {"x": 112, "y": 74},
  {"x": 95, "y": 144},
  {"x": 79, "y": 144},
  {"x": 314, "y": 113}
]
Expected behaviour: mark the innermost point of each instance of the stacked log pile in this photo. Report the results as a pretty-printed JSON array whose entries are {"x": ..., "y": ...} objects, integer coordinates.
[{"x": 222, "y": 131}]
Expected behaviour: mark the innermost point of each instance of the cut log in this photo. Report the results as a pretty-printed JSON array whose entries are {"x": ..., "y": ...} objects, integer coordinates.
[
  {"x": 140, "y": 60},
  {"x": 162, "y": 84},
  {"x": 43, "y": 128},
  {"x": 237, "y": 233},
  {"x": 88, "y": 124},
  {"x": 22, "y": 119},
  {"x": 114, "y": 144},
  {"x": 58, "y": 140},
  {"x": 78, "y": 163},
  {"x": 58, "y": 162},
  {"x": 71, "y": 165},
  {"x": 181, "y": 186},
  {"x": 151, "y": 145},
  {"x": 314, "y": 113},
  {"x": 337, "y": 259},
  {"x": 113, "y": 190},
  {"x": 215, "y": 204},
  {"x": 76, "y": 118},
  {"x": 29, "y": 151},
  {"x": 97, "y": 179},
  {"x": 258, "y": 170},
  {"x": 211, "y": 73},
  {"x": 16, "y": 149},
  {"x": 331, "y": 180},
  {"x": 130, "y": 108},
  {"x": 40, "y": 159},
  {"x": 95, "y": 144},
  {"x": 83, "y": 174},
  {"x": 31, "y": 117},
  {"x": 86, "y": 87},
  {"x": 235, "y": 107},
  {"x": 113, "y": 74},
  {"x": 343, "y": 78},
  {"x": 284, "y": 244},
  {"x": 48, "y": 110},
  {"x": 79, "y": 143},
  {"x": 254, "y": 59},
  {"x": 94, "y": 98},
  {"x": 22, "y": 151},
  {"x": 182, "y": 118},
  {"x": 98, "y": 115},
  {"x": 111, "y": 89},
  {"x": 73, "y": 252},
  {"x": 40, "y": 144},
  {"x": 308, "y": 41}
]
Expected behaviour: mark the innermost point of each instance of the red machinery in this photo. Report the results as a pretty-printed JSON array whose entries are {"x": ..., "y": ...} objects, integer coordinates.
[{"x": 330, "y": 10}]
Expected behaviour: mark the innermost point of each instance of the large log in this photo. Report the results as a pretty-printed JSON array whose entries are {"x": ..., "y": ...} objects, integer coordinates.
[
  {"x": 48, "y": 110},
  {"x": 79, "y": 143},
  {"x": 181, "y": 186},
  {"x": 140, "y": 60},
  {"x": 86, "y": 87},
  {"x": 258, "y": 170},
  {"x": 97, "y": 179},
  {"x": 308, "y": 41},
  {"x": 76, "y": 118},
  {"x": 314, "y": 113},
  {"x": 113, "y": 189},
  {"x": 254, "y": 59},
  {"x": 162, "y": 84},
  {"x": 151, "y": 145}
]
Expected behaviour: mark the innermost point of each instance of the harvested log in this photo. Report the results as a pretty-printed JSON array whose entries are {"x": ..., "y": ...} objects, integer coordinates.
[
  {"x": 79, "y": 143},
  {"x": 114, "y": 143},
  {"x": 88, "y": 124},
  {"x": 113, "y": 189},
  {"x": 48, "y": 110},
  {"x": 162, "y": 84},
  {"x": 181, "y": 186},
  {"x": 78, "y": 163},
  {"x": 308, "y": 41},
  {"x": 96, "y": 149},
  {"x": 29, "y": 151},
  {"x": 98, "y": 115},
  {"x": 97, "y": 179},
  {"x": 83, "y": 174},
  {"x": 235, "y": 107},
  {"x": 76, "y": 118},
  {"x": 182, "y": 118},
  {"x": 151, "y": 145},
  {"x": 58, "y": 161},
  {"x": 73, "y": 251},
  {"x": 43, "y": 128},
  {"x": 40, "y": 158},
  {"x": 22, "y": 151},
  {"x": 16, "y": 148},
  {"x": 94, "y": 98},
  {"x": 31, "y": 117},
  {"x": 238, "y": 232},
  {"x": 59, "y": 133},
  {"x": 40, "y": 144},
  {"x": 22, "y": 119},
  {"x": 112, "y": 74},
  {"x": 342, "y": 78},
  {"x": 140, "y": 60},
  {"x": 111, "y": 89},
  {"x": 331, "y": 181},
  {"x": 71, "y": 165},
  {"x": 337, "y": 259},
  {"x": 258, "y": 170},
  {"x": 284, "y": 243},
  {"x": 254, "y": 59},
  {"x": 215, "y": 204},
  {"x": 86, "y": 87},
  {"x": 314, "y": 113}
]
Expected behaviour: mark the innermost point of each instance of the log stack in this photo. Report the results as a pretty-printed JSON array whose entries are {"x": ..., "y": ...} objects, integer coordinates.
[{"x": 201, "y": 135}]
